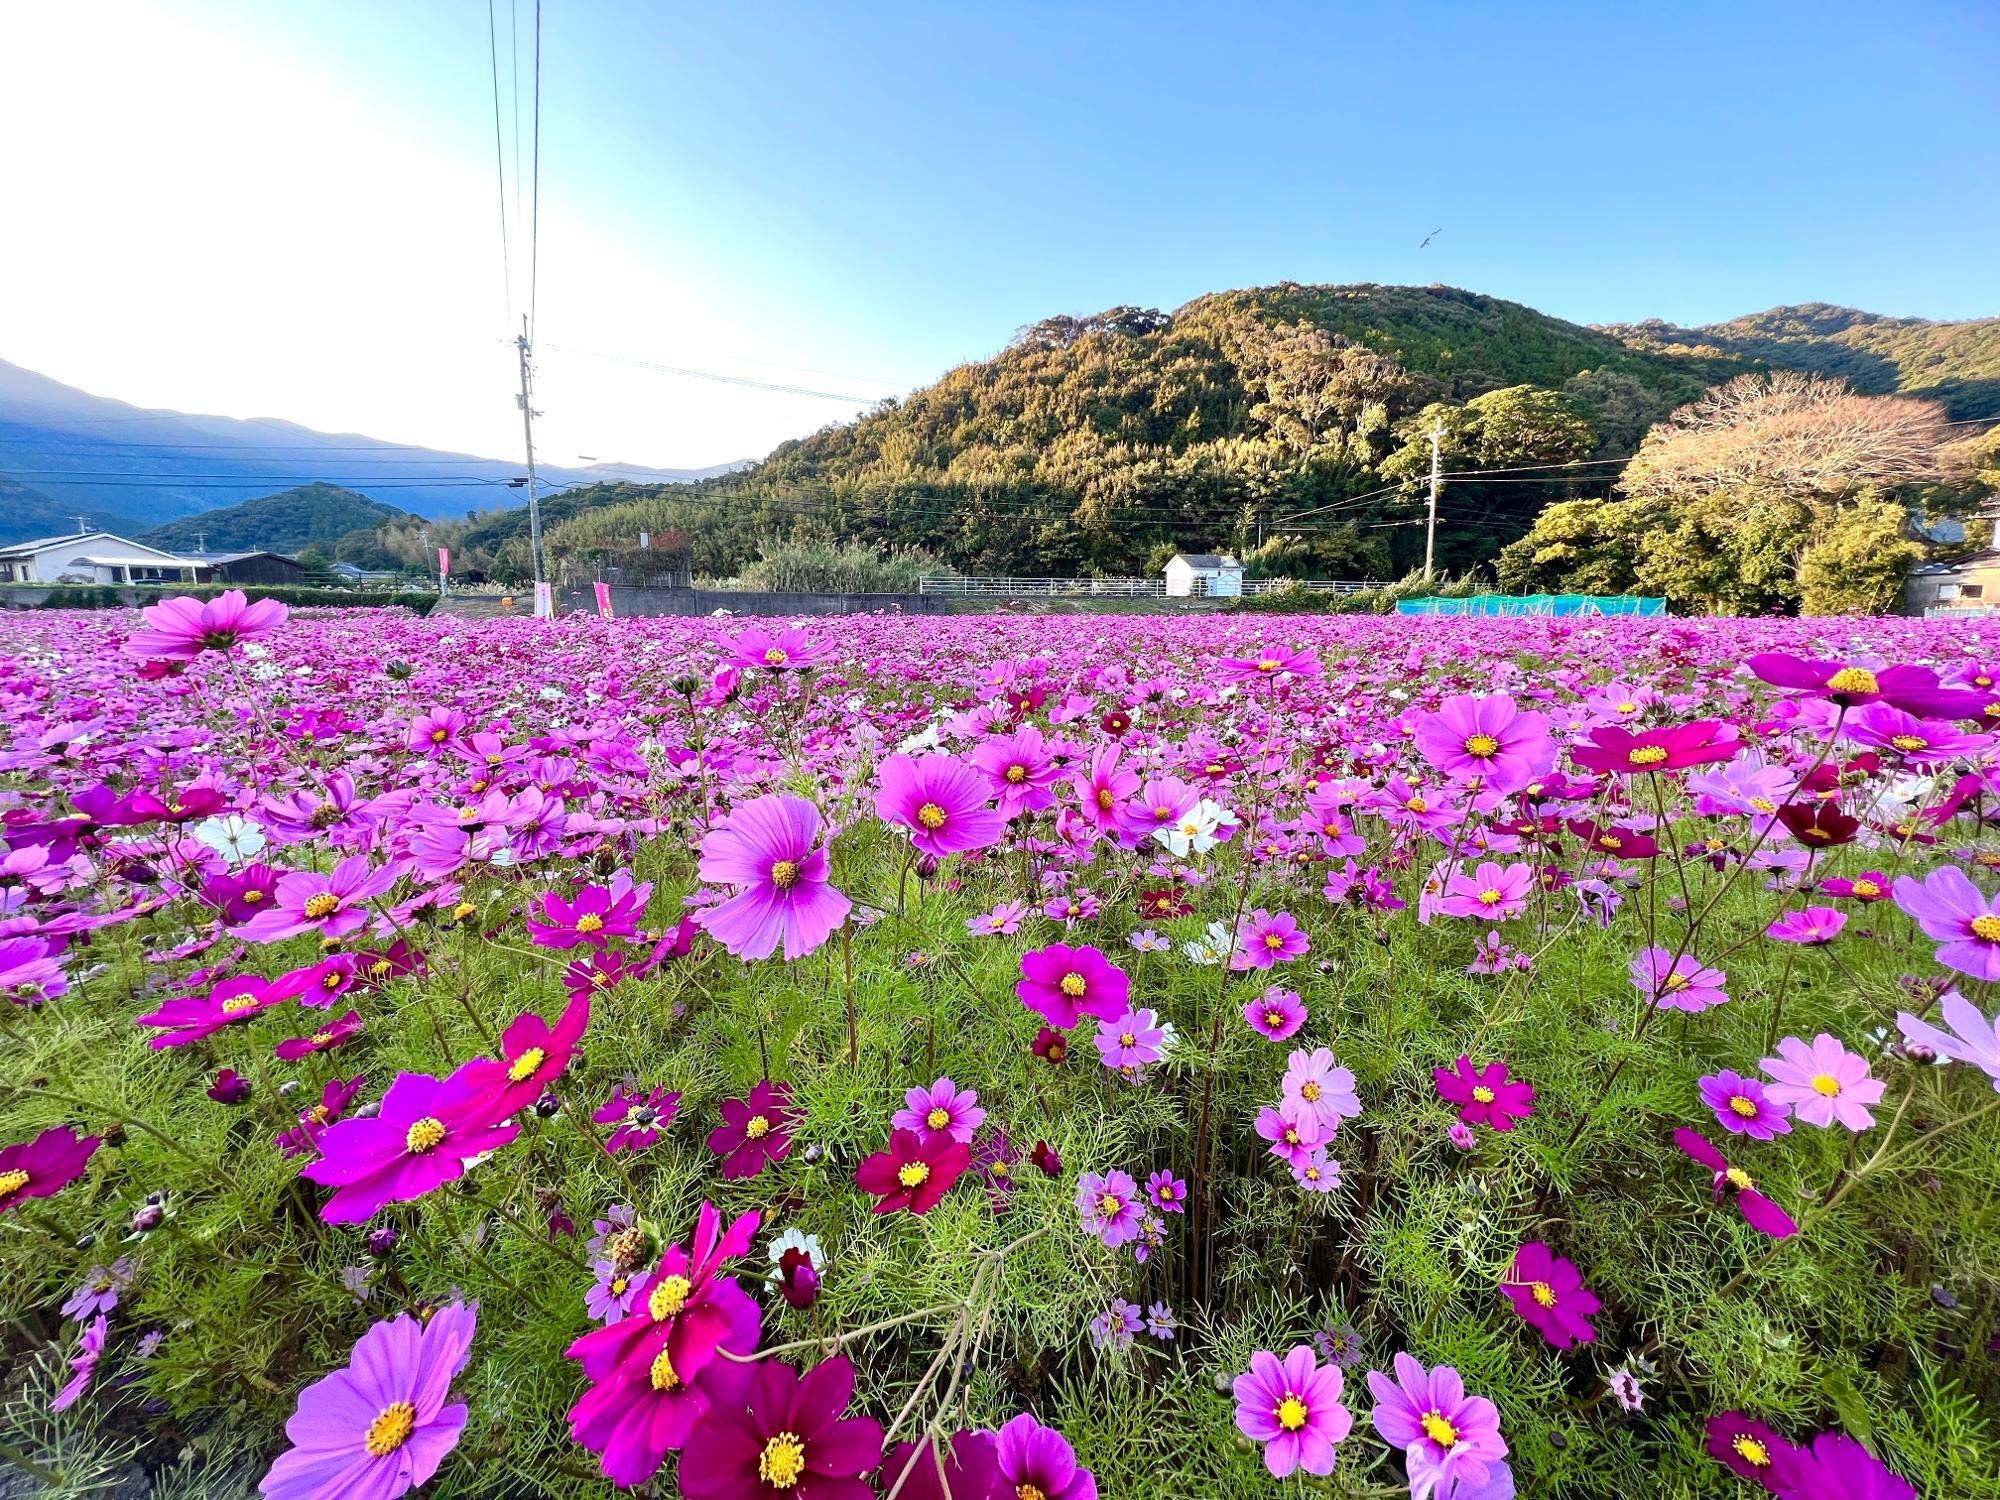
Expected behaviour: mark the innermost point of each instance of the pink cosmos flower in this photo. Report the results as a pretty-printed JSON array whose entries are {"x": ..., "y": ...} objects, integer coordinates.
[
  {"x": 1913, "y": 689},
  {"x": 1263, "y": 940},
  {"x": 1492, "y": 892},
  {"x": 1109, "y": 1204},
  {"x": 1548, "y": 1291},
  {"x": 1288, "y": 1137},
  {"x": 1971, "y": 1039},
  {"x": 637, "y": 1119},
  {"x": 941, "y": 801},
  {"x": 1162, "y": 802},
  {"x": 533, "y": 1055},
  {"x": 1133, "y": 1041},
  {"x": 1062, "y": 984},
  {"x": 1484, "y": 1095},
  {"x": 330, "y": 906},
  {"x": 966, "y": 1465},
  {"x": 189, "y": 1018},
  {"x": 381, "y": 1425},
  {"x": 1872, "y": 885},
  {"x": 595, "y": 915},
  {"x": 89, "y": 1350},
  {"x": 181, "y": 629},
  {"x": 1293, "y": 1408},
  {"x": 1020, "y": 771},
  {"x": 1489, "y": 739},
  {"x": 46, "y": 1165},
  {"x": 1038, "y": 1458},
  {"x": 914, "y": 1173},
  {"x": 1103, "y": 785},
  {"x": 768, "y": 850},
  {"x": 1742, "y": 1107},
  {"x": 1759, "y": 1212},
  {"x": 1276, "y": 1015},
  {"x": 1823, "y": 1082},
  {"x": 785, "y": 650},
  {"x": 327, "y": 1037},
  {"x": 1835, "y": 1468},
  {"x": 1677, "y": 983},
  {"x": 427, "y": 1130},
  {"x": 755, "y": 1131},
  {"x": 942, "y": 1109},
  {"x": 1271, "y": 663},
  {"x": 1319, "y": 1094},
  {"x": 1167, "y": 1193},
  {"x": 1749, "y": 1447},
  {"x": 1814, "y": 925},
  {"x": 1450, "y": 1441},
  {"x": 1921, "y": 742},
  {"x": 1949, "y": 908},
  {"x": 1315, "y": 1171}
]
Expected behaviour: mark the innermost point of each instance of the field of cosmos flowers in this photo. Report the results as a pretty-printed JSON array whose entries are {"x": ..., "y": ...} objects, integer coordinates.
[{"x": 1005, "y": 1058}]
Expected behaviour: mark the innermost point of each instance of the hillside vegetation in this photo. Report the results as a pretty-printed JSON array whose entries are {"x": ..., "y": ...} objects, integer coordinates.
[{"x": 290, "y": 521}]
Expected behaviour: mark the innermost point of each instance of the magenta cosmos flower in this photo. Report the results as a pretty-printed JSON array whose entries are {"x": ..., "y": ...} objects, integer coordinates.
[
  {"x": 1913, "y": 689},
  {"x": 1746, "y": 1445},
  {"x": 941, "y": 801},
  {"x": 1918, "y": 741},
  {"x": 533, "y": 1055},
  {"x": 1276, "y": 1015},
  {"x": 1814, "y": 925},
  {"x": 914, "y": 1173},
  {"x": 1759, "y": 1212},
  {"x": 181, "y": 629},
  {"x": 1823, "y": 1082},
  {"x": 1271, "y": 662},
  {"x": 595, "y": 915},
  {"x": 1020, "y": 771},
  {"x": 331, "y": 906},
  {"x": 1318, "y": 1095},
  {"x": 1109, "y": 1204},
  {"x": 47, "y": 1164},
  {"x": 637, "y": 1118},
  {"x": 768, "y": 851},
  {"x": 1836, "y": 1467},
  {"x": 1548, "y": 1291},
  {"x": 656, "y": 1372},
  {"x": 1949, "y": 908},
  {"x": 1742, "y": 1107},
  {"x": 1037, "y": 1460},
  {"x": 941, "y": 1109},
  {"x": 789, "y": 1438},
  {"x": 1484, "y": 1096},
  {"x": 1292, "y": 1406},
  {"x": 1447, "y": 1438},
  {"x": 967, "y": 1467},
  {"x": 1263, "y": 940},
  {"x": 1063, "y": 984},
  {"x": 1615, "y": 750},
  {"x": 755, "y": 1131},
  {"x": 1489, "y": 739},
  {"x": 426, "y": 1131},
  {"x": 1680, "y": 982},
  {"x": 1493, "y": 891},
  {"x": 382, "y": 1425},
  {"x": 786, "y": 650}
]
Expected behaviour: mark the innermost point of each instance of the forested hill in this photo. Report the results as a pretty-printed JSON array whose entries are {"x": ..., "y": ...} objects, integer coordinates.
[
  {"x": 1299, "y": 413},
  {"x": 301, "y": 517}
]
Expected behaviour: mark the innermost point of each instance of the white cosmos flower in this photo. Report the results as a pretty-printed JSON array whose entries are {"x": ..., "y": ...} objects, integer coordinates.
[
  {"x": 1212, "y": 947},
  {"x": 231, "y": 835},
  {"x": 797, "y": 1239}
]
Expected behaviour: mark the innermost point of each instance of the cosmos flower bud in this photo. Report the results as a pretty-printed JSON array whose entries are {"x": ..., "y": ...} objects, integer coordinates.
[{"x": 382, "y": 1241}]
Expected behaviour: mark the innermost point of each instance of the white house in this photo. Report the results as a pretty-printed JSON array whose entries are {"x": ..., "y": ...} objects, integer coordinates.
[
  {"x": 1191, "y": 574},
  {"x": 94, "y": 557}
]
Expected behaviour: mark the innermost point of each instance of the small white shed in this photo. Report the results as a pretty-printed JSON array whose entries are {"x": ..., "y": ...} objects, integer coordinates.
[{"x": 1195, "y": 574}]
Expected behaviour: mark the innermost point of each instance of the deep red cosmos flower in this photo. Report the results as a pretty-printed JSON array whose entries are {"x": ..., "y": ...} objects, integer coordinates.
[
  {"x": 1818, "y": 825},
  {"x": 914, "y": 1173},
  {"x": 1615, "y": 750},
  {"x": 47, "y": 1164},
  {"x": 971, "y": 1465},
  {"x": 755, "y": 1131},
  {"x": 789, "y": 1438}
]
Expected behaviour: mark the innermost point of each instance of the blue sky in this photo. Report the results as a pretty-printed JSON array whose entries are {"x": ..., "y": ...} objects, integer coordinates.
[{"x": 290, "y": 209}]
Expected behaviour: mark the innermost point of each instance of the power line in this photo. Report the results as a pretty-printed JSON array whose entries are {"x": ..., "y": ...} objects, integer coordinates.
[
  {"x": 535, "y": 193},
  {"x": 744, "y": 380},
  {"x": 499, "y": 161}
]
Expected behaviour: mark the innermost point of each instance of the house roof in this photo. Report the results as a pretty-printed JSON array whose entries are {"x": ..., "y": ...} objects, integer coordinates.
[
  {"x": 96, "y": 538},
  {"x": 1205, "y": 560},
  {"x": 230, "y": 557},
  {"x": 1978, "y": 560}
]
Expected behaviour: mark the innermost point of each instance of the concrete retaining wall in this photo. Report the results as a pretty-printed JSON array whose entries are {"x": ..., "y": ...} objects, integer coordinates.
[{"x": 644, "y": 601}]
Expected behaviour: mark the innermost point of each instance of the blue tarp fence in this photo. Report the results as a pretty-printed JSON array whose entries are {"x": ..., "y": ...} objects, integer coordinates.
[{"x": 1535, "y": 604}]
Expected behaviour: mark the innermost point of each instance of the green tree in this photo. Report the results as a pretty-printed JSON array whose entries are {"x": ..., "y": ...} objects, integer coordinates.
[{"x": 1858, "y": 563}]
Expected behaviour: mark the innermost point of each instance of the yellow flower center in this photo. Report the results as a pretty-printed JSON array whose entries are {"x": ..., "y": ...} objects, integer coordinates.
[
  {"x": 1986, "y": 929},
  {"x": 1029, "y": 1492},
  {"x": 1483, "y": 1094},
  {"x": 439, "y": 736},
  {"x": 12, "y": 1182},
  {"x": 618, "y": 1285},
  {"x": 590, "y": 921},
  {"x": 1274, "y": 941},
  {"x": 1000, "y": 1169},
  {"x": 425, "y": 1134},
  {"x": 322, "y": 906},
  {"x": 931, "y": 816},
  {"x": 1610, "y": 841},
  {"x": 1739, "y": 1179},
  {"x": 1017, "y": 774},
  {"x": 937, "y": 1119},
  {"x": 1108, "y": 1204},
  {"x": 1867, "y": 888},
  {"x": 253, "y": 897},
  {"x": 663, "y": 1376},
  {"x": 1438, "y": 1430},
  {"x": 526, "y": 1064},
  {"x": 1748, "y": 1448},
  {"x": 1676, "y": 982},
  {"x": 463, "y": 910},
  {"x": 1647, "y": 755},
  {"x": 777, "y": 656},
  {"x": 1628, "y": 708},
  {"x": 1073, "y": 985},
  {"x": 235, "y": 1005},
  {"x": 1489, "y": 897},
  {"x": 1854, "y": 680},
  {"x": 1908, "y": 741},
  {"x": 782, "y": 1462},
  {"x": 784, "y": 874},
  {"x": 758, "y": 1127},
  {"x": 1310, "y": 1091},
  {"x": 1127, "y": 1039},
  {"x": 1745, "y": 1107},
  {"x": 391, "y": 1430},
  {"x": 1482, "y": 745},
  {"x": 321, "y": 1038},
  {"x": 1291, "y": 1413},
  {"x": 1543, "y": 1293},
  {"x": 669, "y": 1296},
  {"x": 914, "y": 1174},
  {"x": 1104, "y": 801},
  {"x": 1763, "y": 804},
  {"x": 1274, "y": 1019},
  {"x": 1417, "y": 805}
]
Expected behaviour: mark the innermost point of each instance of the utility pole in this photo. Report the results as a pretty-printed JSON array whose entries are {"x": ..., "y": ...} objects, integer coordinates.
[
  {"x": 528, "y": 432},
  {"x": 1431, "y": 528}
]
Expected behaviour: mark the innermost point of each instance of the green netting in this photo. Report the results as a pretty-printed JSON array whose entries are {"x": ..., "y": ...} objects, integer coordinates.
[{"x": 1535, "y": 604}]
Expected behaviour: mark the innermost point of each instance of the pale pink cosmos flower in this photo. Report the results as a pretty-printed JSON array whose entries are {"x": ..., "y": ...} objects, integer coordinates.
[
  {"x": 1823, "y": 1082},
  {"x": 1321, "y": 1093}
]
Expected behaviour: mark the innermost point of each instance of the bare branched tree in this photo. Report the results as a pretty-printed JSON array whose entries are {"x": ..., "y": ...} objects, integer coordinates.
[{"x": 1793, "y": 434}]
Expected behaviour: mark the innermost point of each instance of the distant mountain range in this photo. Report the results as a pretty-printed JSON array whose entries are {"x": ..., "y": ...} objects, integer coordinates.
[
  {"x": 65, "y": 453},
  {"x": 288, "y": 522}
]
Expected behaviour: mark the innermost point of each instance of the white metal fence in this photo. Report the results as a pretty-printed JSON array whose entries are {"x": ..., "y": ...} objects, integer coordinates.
[{"x": 1105, "y": 588}]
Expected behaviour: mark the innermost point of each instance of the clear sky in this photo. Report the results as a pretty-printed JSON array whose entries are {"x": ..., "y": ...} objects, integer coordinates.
[{"x": 289, "y": 207}]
